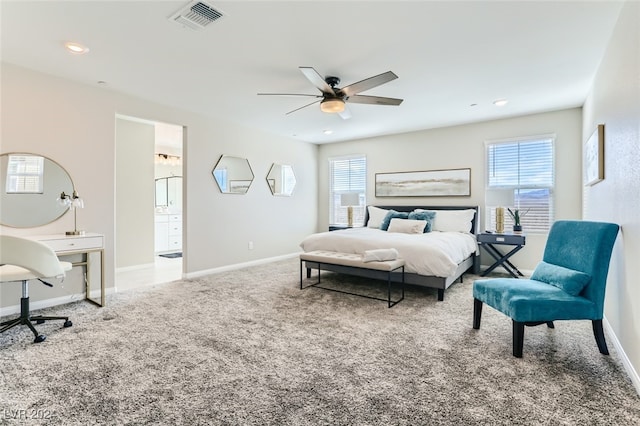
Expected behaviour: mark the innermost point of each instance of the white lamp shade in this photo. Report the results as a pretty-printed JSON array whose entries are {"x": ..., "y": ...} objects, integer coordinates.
[
  {"x": 350, "y": 199},
  {"x": 499, "y": 197},
  {"x": 77, "y": 203}
]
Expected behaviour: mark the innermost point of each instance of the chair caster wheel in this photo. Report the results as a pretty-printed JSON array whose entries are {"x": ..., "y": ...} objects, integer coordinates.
[
  {"x": 40, "y": 338},
  {"x": 40, "y": 321},
  {"x": 67, "y": 323}
]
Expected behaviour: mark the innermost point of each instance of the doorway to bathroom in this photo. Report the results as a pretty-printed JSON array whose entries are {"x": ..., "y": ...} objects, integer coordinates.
[{"x": 149, "y": 202}]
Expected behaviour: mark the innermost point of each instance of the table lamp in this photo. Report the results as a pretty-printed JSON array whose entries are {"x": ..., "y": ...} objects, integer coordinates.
[
  {"x": 349, "y": 200},
  {"x": 74, "y": 202}
]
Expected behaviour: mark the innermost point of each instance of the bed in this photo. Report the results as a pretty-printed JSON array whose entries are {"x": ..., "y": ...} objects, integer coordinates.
[{"x": 433, "y": 259}]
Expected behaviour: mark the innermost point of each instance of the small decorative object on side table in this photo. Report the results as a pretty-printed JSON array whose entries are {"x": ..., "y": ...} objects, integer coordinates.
[
  {"x": 517, "y": 215},
  {"x": 488, "y": 241}
]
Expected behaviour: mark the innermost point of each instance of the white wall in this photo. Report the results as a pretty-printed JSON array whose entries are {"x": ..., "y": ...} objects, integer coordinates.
[
  {"x": 166, "y": 170},
  {"x": 74, "y": 124},
  {"x": 463, "y": 147},
  {"x": 135, "y": 193},
  {"x": 614, "y": 101}
]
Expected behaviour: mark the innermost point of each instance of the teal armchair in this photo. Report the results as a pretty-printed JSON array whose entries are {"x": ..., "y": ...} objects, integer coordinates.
[{"x": 569, "y": 283}]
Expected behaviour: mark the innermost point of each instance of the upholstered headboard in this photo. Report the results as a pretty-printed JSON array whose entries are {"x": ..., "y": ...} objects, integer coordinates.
[{"x": 474, "y": 222}]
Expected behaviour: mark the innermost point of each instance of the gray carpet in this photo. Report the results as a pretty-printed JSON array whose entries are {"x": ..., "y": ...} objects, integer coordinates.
[{"x": 249, "y": 348}]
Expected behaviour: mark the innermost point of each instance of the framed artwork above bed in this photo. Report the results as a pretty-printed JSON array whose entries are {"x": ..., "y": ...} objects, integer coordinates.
[{"x": 431, "y": 183}]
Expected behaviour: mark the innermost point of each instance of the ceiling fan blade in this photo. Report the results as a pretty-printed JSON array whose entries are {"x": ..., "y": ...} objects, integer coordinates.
[
  {"x": 346, "y": 114},
  {"x": 373, "y": 100},
  {"x": 304, "y": 106},
  {"x": 369, "y": 83},
  {"x": 289, "y": 94},
  {"x": 317, "y": 80}
]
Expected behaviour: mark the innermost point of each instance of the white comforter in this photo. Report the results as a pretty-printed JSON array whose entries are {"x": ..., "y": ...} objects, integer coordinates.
[{"x": 434, "y": 253}]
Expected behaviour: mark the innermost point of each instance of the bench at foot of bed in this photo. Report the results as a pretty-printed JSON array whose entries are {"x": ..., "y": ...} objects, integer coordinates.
[
  {"x": 353, "y": 264},
  {"x": 437, "y": 283}
]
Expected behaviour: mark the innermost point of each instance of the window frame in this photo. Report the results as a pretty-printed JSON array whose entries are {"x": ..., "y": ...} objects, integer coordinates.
[
  {"x": 21, "y": 177},
  {"x": 337, "y": 212},
  {"x": 490, "y": 205}
]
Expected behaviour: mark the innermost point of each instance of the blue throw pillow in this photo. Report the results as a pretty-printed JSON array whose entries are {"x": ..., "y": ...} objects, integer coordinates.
[
  {"x": 424, "y": 215},
  {"x": 392, "y": 215},
  {"x": 570, "y": 281}
]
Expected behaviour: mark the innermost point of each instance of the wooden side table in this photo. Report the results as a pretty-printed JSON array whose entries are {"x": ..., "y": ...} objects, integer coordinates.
[{"x": 489, "y": 241}]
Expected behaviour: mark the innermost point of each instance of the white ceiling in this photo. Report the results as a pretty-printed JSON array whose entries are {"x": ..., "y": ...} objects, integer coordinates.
[{"x": 540, "y": 55}]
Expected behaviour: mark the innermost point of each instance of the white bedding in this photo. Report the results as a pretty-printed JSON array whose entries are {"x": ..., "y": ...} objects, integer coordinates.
[{"x": 434, "y": 253}]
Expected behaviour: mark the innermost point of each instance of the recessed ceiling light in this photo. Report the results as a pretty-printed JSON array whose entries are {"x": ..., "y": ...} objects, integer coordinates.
[
  {"x": 76, "y": 48},
  {"x": 327, "y": 132},
  {"x": 500, "y": 102}
]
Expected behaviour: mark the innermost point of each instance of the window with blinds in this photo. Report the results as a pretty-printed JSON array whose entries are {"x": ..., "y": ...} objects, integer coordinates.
[
  {"x": 25, "y": 174},
  {"x": 347, "y": 175},
  {"x": 520, "y": 175}
]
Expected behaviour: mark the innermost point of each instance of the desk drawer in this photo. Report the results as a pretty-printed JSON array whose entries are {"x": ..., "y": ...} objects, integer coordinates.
[{"x": 74, "y": 243}]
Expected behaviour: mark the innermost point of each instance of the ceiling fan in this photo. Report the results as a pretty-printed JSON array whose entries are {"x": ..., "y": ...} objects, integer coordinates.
[{"x": 333, "y": 98}]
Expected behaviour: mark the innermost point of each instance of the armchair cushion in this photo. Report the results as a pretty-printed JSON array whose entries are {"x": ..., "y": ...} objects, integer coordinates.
[
  {"x": 527, "y": 300},
  {"x": 568, "y": 280}
]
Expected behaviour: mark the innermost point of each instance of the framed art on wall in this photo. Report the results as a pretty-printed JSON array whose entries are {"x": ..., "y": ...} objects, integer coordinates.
[
  {"x": 594, "y": 157},
  {"x": 431, "y": 183}
]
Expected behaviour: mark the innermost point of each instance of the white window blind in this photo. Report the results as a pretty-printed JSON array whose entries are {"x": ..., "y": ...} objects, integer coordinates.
[
  {"x": 347, "y": 175},
  {"x": 25, "y": 174},
  {"x": 520, "y": 175}
]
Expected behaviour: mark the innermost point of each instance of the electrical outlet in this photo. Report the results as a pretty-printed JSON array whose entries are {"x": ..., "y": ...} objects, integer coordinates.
[{"x": 250, "y": 245}]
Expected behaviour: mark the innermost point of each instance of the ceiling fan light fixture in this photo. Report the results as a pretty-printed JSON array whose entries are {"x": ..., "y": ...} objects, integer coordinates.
[{"x": 332, "y": 106}]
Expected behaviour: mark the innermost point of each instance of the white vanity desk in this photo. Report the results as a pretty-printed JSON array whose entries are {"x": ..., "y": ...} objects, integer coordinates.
[{"x": 66, "y": 245}]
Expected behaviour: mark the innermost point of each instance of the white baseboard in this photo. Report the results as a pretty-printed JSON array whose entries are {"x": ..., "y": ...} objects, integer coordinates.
[
  {"x": 633, "y": 374},
  {"x": 47, "y": 303},
  {"x": 239, "y": 266}
]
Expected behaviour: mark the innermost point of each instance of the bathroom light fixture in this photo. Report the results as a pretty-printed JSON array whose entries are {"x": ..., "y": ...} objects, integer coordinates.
[
  {"x": 333, "y": 105},
  {"x": 76, "y": 48},
  {"x": 500, "y": 102},
  {"x": 74, "y": 202},
  {"x": 172, "y": 160}
]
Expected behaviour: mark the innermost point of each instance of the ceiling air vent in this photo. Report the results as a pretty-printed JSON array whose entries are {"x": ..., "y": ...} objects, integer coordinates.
[{"x": 196, "y": 15}]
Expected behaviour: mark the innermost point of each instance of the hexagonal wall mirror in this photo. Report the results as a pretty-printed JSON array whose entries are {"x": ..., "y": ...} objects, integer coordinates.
[
  {"x": 233, "y": 174},
  {"x": 281, "y": 179}
]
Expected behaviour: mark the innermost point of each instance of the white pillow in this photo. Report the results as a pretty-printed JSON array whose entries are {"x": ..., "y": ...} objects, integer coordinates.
[
  {"x": 376, "y": 216},
  {"x": 453, "y": 220},
  {"x": 407, "y": 226}
]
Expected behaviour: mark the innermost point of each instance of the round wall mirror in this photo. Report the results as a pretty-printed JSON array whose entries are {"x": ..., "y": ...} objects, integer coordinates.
[
  {"x": 233, "y": 174},
  {"x": 31, "y": 186},
  {"x": 281, "y": 179}
]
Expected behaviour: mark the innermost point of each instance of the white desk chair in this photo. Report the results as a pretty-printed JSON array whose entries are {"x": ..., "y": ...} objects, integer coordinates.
[{"x": 23, "y": 260}]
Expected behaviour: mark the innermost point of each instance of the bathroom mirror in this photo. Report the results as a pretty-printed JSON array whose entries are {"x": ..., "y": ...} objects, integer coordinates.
[
  {"x": 233, "y": 174},
  {"x": 169, "y": 192},
  {"x": 31, "y": 185},
  {"x": 281, "y": 179}
]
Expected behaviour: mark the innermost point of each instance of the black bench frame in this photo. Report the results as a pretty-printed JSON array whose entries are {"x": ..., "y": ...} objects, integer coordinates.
[{"x": 355, "y": 270}]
